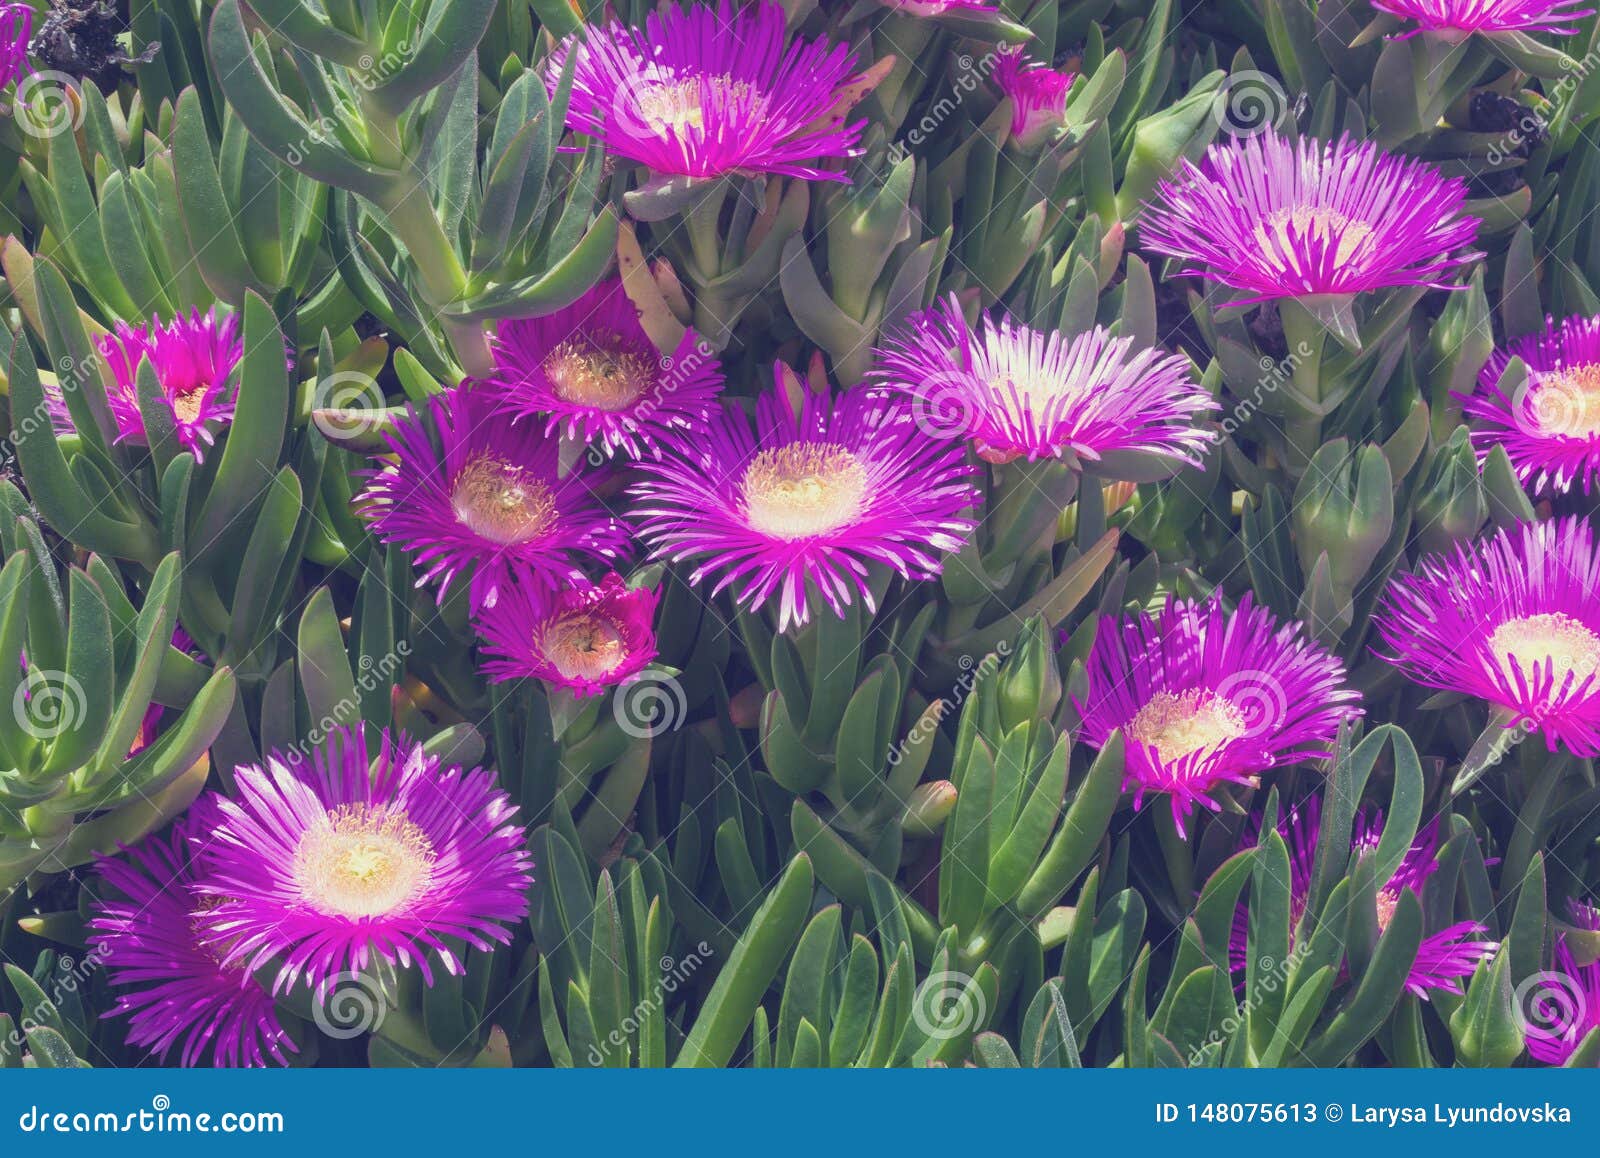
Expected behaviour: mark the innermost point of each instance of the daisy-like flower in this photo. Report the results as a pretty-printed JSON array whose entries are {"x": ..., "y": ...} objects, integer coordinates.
[
  {"x": 704, "y": 92},
  {"x": 811, "y": 497},
  {"x": 583, "y": 638},
  {"x": 1016, "y": 391},
  {"x": 1560, "y": 1011},
  {"x": 1205, "y": 696},
  {"x": 493, "y": 504},
  {"x": 592, "y": 369},
  {"x": 328, "y": 865},
  {"x": 1513, "y": 620},
  {"x": 171, "y": 983},
  {"x": 194, "y": 358},
  {"x": 1038, "y": 95},
  {"x": 1443, "y": 958},
  {"x": 16, "y": 23},
  {"x": 1458, "y": 19},
  {"x": 1275, "y": 218},
  {"x": 1551, "y": 427},
  {"x": 938, "y": 7}
]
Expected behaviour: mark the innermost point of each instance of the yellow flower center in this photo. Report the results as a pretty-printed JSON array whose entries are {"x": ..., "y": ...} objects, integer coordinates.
[
  {"x": 1177, "y": 724},
  {"x": 587, "y": 373},
  {"x": 1280, "y": 229},
  {"x": 583, "y": 646},
  {"x": 1535, "y": 640},
  {"x": 1387, "y": 900},
  {"x": 803, "y": 489},
  {"x": 1566, "y": 402},
  {"x": 676, "y": 106},
  {"x": 362, "y": 860},
  {"x": 187, "y": 405},
  {"x": 501, "y": 501}
]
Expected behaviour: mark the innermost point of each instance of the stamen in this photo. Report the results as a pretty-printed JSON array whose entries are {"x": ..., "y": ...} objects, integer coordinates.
[
  {"x": 594, "y": 371},
  {"x": 583, "y": 646},
  {"x": 502, "y": 502},
  {"x": 1181, "y": 723},
  {"x": 803, "y": 489},
  {"x": 1282, "y": 229},
  {"x": 363, "y": 860},
  {"x": 1533, "y": 641},
  {"x": 1566, "y": 402}
]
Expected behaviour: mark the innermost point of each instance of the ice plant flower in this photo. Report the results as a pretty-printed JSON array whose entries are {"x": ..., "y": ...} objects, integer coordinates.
[
  {"x": 938, "y": 7},
  {"x": 493, "y": 505},
  {"x": 1276, "y": 218},
  {"x": 1458, "y": 19},
  {"x": 1443, "y": 958},
  {"x": 16, "y": 23},
  {"x": 595, "y": 374},
  {"x": 194, "y": 357},
  {"x": 1017, "y": 391},
  {"x": 1205, "y": 696},
  {"x": 814, "y": 495},
  {"x": 328, "y": 864},
  {"x": 1513, "y": 620},
  {"x": 1038, "y": 95},
  {"x": 703, "y": 92},
  {"x": 171, "y": 983},
  {"x": 1550, "y": 428},
  {"x": 1557, "y": 1013},
  {"x": 583, "y": 638}
]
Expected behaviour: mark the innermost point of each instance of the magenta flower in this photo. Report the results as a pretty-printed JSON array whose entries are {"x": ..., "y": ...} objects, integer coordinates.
[
  {"x": 938, "y": 7},
  {"x": 331, "y": 864},
  {"x": 1016, "y": 391},
  {"x": 1443, "y": 958},
  {"x": 1461, "y": 18},
  {"x": 16, "y": 24},
  {"x": 1038, "y": 95},
  {"x": 705, "y": 93},
  {"x": 1561, "y": 1009},
  {"x": 594, "y": 372},
  {"x": 583, "y": 638},
  {"x": 174, "y": 987},
  {"x": 194, "y": 358},
  {"x": 1513, "y": 620},
  {"x": 812, "y": 497},
  {"x": 493, "y": 505},
  {"x": 1551, "y": 427},
  {"x": 1204, "y": 696},
  {"x": 1275, "y": 218}
]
